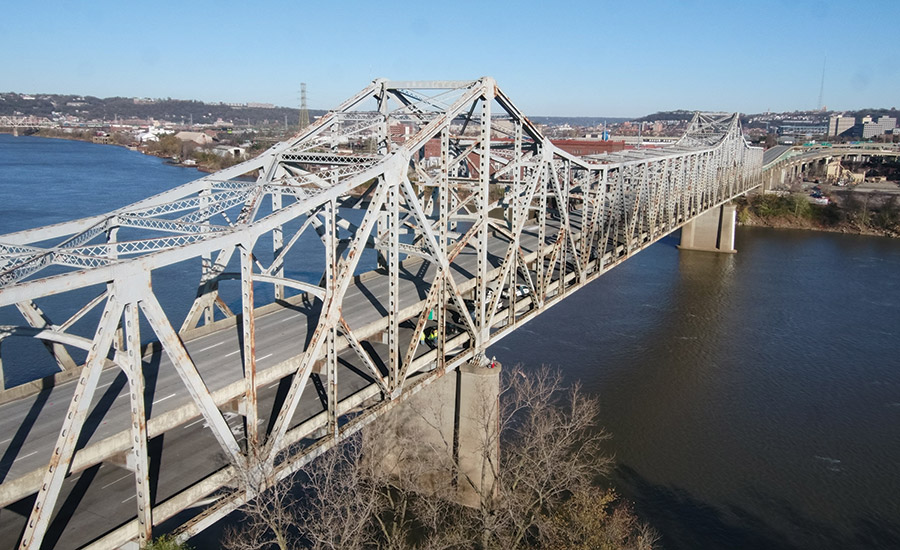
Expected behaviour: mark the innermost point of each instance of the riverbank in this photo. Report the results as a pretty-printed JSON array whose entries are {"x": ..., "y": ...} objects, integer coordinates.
[
  {"x": 851, "y": 216},
  {"x": 201, "y": 160}
]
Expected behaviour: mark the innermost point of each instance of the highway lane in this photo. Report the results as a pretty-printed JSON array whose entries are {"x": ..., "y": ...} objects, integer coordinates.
[
  {"x": 772, "y": 154},
  {"x": 34, "y": 424}
]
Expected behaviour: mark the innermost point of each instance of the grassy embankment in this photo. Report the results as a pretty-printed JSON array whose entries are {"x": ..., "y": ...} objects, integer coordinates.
[{"x": 853, "y": 215}]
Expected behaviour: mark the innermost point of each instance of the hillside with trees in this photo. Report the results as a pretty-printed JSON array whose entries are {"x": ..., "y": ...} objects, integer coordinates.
[{"x": 124, "y": 108}]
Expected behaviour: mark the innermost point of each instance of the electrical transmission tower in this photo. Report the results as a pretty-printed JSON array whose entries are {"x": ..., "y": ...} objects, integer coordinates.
[{"x": 304, "y": 112}]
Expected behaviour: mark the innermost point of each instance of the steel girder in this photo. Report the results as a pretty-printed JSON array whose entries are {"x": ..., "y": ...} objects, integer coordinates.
[{"x": 449, "y": 180}]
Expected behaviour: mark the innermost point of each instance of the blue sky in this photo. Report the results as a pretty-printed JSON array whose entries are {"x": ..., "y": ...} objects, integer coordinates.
[{"x": 620, "y": 58}]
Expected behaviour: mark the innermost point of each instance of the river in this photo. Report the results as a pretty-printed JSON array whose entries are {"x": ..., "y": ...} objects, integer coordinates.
[{"x": 753, "y": 399}]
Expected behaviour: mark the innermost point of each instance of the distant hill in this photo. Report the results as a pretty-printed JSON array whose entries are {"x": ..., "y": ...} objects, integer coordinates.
[
  {"x": 680, "y": 114},
  {"x": 583, "y": 121},
  {"x": 174, "y": 110}
]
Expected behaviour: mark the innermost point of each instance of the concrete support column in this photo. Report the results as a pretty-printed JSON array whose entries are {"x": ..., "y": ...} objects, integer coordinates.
[
  {"x": 446, "y": 438},
  {"x": 478, "y": 432},
  {"x": 712, "y": 231}
]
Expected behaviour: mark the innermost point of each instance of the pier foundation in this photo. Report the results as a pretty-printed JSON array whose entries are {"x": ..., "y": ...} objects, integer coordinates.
[
  {"x": 445, "y": 438},
  {"x": 712, "y": 231}
]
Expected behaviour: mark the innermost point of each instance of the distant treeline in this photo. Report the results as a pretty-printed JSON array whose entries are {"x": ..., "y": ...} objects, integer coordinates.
[
  {"x": 583, "y": 121},
  {"x": 123, "y": 108}
]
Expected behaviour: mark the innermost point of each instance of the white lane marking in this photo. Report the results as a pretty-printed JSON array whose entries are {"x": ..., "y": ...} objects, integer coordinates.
[
  {"x": 126, "y": 476},
  {"x": 288, "y": 318},
  {"x": 161, "y": 399},
  {"x": 7, "y": 440},
  {"x": 129, "y": 498},
  {"x": 25, "y": 456},
  {"x": 275, "y": 385},
  {"x": 264, "y": 357},
  {"x": 105, "y": 385},
  {"x": 232, "y": 353},
  {"x": 211, "y": 347},
  {"x": 199, "y": 420}
]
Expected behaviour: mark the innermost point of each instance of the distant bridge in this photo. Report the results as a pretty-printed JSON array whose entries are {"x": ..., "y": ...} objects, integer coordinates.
[
  {"x": 412, "y": 206},
  {"x": 16, "y": 122},
  {"x": 783, "y": 164}
]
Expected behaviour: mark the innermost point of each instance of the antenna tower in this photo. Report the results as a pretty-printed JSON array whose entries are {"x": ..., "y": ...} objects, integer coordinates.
[
  {"x": 822, "y": 86},
  {"x": 304, "y": 112}
]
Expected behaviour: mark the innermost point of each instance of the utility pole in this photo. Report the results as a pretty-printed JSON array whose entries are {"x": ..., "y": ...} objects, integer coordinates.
[{"x": 304, "y": 113}]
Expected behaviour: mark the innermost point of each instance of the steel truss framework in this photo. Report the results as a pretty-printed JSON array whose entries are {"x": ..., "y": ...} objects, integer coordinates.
[{"x": 492, "y": 191}]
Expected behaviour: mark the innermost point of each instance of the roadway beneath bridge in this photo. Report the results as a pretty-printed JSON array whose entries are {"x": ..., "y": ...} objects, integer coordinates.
[{"x": 186, "y": 451}]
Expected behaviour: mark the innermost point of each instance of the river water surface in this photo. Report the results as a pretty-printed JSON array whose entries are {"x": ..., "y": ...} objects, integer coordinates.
[{"x": 753, "y": 399}]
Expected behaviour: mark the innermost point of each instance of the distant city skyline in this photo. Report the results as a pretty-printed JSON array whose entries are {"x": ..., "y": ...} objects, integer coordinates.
[{"x": 612, "y": 59}]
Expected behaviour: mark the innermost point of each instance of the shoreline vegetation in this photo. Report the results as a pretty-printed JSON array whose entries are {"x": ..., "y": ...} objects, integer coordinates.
[
  {"x": 850, "y": 212},
  {"x": 169, "y": 148}
]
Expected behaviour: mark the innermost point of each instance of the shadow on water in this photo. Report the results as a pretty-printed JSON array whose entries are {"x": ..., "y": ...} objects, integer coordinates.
[{"x": 688, "y": 523}]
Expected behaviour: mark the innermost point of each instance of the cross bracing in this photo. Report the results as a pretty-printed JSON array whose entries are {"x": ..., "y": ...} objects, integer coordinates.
[{"x": 412, "y": 207}]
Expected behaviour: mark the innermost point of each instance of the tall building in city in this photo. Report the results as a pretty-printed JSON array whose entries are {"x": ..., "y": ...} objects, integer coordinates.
[
  {"x": 838, "y": 124},
  {"x": 884, "y": 125}
]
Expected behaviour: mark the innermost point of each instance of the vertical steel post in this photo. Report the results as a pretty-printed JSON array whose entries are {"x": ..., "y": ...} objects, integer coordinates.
[
  {"x": 331, "y": 240},
  {"x": 206, "y": 263},
  {"x": 61, "y": 459},
  {"x": 139, "y": 442},
  {"x": 482, "y": 198},
  {"x": 393, "y": 239},
  {"x": 248, "y": 325},
  {"x": 443, "y": 226},
  {"x": 278, "y": 243},
  {"x": 542, "y": 270},
  {"x": 516, "y": 214}
]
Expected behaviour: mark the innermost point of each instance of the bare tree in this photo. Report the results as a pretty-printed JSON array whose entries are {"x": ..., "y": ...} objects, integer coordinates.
[
  {"x": 340, "y": 500},
  {"x": 533, "y": 471},
  {"x": 594, "y": 520},
  {"x": 550, "y": 444},
  {"x": 270, "y": 512}
]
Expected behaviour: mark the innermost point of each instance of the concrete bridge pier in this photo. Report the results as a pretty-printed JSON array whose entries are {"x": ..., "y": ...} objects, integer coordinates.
[
  {"x": 445, "y": 439},
  {"x": 712, "y": 231}
]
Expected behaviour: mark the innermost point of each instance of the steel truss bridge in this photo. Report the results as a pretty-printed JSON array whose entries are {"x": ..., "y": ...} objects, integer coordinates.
[
  {"x": 16, "y": 122},
  {"x": 412, "y": 207}
]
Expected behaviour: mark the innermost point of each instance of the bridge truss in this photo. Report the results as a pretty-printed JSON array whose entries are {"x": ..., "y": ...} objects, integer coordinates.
[{"x": 449, "y": 182}]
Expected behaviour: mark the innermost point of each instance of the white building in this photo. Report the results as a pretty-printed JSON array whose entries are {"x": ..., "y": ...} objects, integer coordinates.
[{"x": 838, "y": 124}]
